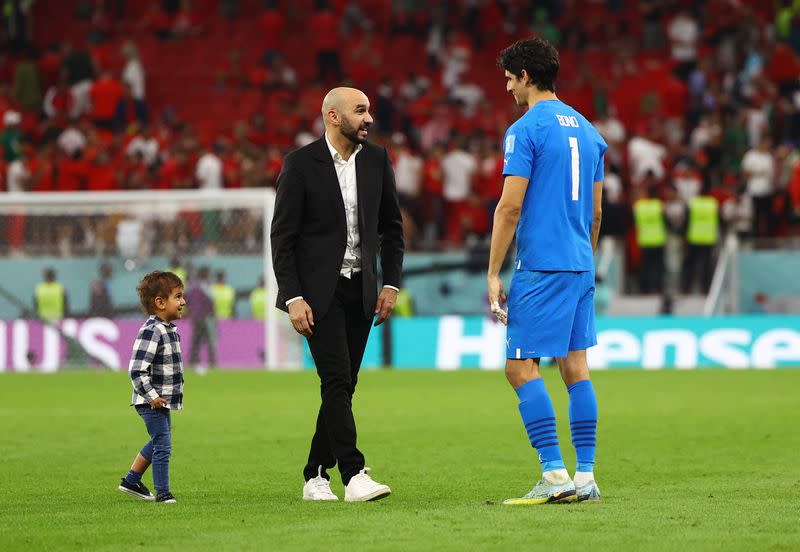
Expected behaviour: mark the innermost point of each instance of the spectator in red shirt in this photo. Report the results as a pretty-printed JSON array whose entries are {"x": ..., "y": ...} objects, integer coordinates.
[
  {"x": 490, "y": 170},
  {"x": 272, "y": 25},
  {"x": 273, "y": 165},
  {"x": 794, "y": 190},
  {"x": 157, "y": 21},
  {"x": 258, "y": 133},
  {"x": 178, "y": 172},
  {"x": 783, "y": 67},
  {"x": 257, "y": 74},
  {"x": 432, "y": 200},
  {"x": 73, "y": 174},
  {"x": 231, "y": 167},
  {"x": 325, "y": 30},
  {"x": 187, "y": 21},
  {"x": 105, "y": 94},
  {"x": 364, "y": 60},
  {"x": 50, "y": 66},
  {"x": 43, "y": 170},
  {"x": 232, "y": 73},
  {"x": 102, "y": 176}
]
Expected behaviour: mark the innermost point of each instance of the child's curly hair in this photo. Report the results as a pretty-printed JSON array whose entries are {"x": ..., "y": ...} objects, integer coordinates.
[{"x": 158, "y": 283}]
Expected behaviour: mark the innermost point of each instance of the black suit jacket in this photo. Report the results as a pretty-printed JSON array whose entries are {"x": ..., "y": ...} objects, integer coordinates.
[{"x": 309, "y": 229}]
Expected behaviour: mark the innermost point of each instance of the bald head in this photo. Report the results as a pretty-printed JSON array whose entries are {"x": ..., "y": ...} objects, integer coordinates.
[
  {"x": 342, "y": 98},
  {"x": 345, "y": 112}
]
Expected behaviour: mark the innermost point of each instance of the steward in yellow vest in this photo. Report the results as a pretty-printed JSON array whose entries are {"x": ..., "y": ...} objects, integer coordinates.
[
  {"x": 178, "y": 270},
  {"x": 258, "y": 298},
  {"x": 651, "y": 235},
  {"x": 703, "y": 223},
  {"x": 223, "y": 296},
  {"x": 702, "y": 234},
  {"x": 50, "y": 298},
  {"x": 648, "y": 216}
]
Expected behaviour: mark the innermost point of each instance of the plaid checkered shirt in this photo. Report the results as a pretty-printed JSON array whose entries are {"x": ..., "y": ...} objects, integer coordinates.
[{"x": 156, "y": 368}]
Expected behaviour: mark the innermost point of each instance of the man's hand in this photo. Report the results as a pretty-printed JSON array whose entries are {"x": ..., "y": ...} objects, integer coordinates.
[
  {"x": 385, "y": 305},
  {"x": 497, "y": 298},
  {"x": 157, "y": 403},
  {"x": 302, "y": 318}
]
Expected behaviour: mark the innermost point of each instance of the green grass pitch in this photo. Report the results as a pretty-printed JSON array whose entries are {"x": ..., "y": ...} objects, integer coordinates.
[{"x": 701, "y": 460}]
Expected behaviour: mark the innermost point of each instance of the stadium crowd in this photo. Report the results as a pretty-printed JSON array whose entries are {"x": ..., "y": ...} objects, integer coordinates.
[{"x": 693, "y": 98}]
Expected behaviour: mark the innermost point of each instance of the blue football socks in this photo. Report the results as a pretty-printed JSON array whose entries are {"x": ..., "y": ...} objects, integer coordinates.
[
  {"x": 539, "y": 418},
  {"x": 583, "y": 423},
  {"x": 133, "y": 478}
]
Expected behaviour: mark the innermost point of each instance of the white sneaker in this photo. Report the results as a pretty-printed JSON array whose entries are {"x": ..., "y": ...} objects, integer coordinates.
[
  {"x": 362, "y": 488},
  {"x": 318, "y": 488}
]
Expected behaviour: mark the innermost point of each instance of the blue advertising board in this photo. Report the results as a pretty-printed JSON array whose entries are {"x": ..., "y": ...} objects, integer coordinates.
[{"x": 476, "y": 342}]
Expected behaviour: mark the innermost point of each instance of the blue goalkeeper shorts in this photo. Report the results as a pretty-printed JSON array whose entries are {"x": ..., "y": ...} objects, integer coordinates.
[{"x": 550, "y": 313}]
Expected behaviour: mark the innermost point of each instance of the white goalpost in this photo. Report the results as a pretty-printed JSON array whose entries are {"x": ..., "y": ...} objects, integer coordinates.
[{"x": 141, "y": 230}]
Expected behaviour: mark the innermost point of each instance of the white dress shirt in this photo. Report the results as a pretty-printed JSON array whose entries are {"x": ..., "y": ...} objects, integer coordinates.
[{"x": 346, "y": 174}]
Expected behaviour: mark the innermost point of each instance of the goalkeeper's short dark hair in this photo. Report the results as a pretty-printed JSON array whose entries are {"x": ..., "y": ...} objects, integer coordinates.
[{"x": 537, "y": 57}]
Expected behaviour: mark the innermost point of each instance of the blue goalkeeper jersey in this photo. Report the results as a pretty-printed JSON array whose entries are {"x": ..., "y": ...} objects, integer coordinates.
[{"x": 561, "y": 155}]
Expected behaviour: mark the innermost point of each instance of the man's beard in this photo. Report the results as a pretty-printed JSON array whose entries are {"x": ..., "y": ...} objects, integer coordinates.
[{"x": 351, "y": 133}]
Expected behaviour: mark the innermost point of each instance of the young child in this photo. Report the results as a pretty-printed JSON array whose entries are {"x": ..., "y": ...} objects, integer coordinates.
[{"x": 156, "y": 371}]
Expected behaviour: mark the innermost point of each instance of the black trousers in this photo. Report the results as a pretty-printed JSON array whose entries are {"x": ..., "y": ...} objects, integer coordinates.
[
  {"x": 337, "y": 346},
  {"x": 763, "y": 221},
  {"x": 697, "y": 261},
  {"x": 651, "y": 270}
]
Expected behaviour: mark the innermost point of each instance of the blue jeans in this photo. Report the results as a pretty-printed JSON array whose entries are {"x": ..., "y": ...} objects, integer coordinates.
[{"x": 158, "y": 448}]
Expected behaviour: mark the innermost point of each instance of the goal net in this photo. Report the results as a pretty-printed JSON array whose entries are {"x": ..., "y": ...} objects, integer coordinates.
[{"x": 71, "y": 263}]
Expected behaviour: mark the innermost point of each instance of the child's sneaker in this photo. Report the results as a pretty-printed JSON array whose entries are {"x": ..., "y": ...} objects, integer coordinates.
[
  {"x": 166, "y": 497},
  {"x": 138, "y": 490}
]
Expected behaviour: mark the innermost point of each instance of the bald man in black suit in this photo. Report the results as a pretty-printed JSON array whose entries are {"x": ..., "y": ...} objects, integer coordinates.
[{"x": 336, "y": 209}]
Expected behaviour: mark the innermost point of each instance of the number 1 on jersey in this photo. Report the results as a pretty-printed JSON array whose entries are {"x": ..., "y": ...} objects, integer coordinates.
[{"x": 576, "y": 166}]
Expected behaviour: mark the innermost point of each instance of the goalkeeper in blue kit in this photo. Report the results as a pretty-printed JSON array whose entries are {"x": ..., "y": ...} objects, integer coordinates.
[{"x": 553, "y": 173}]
